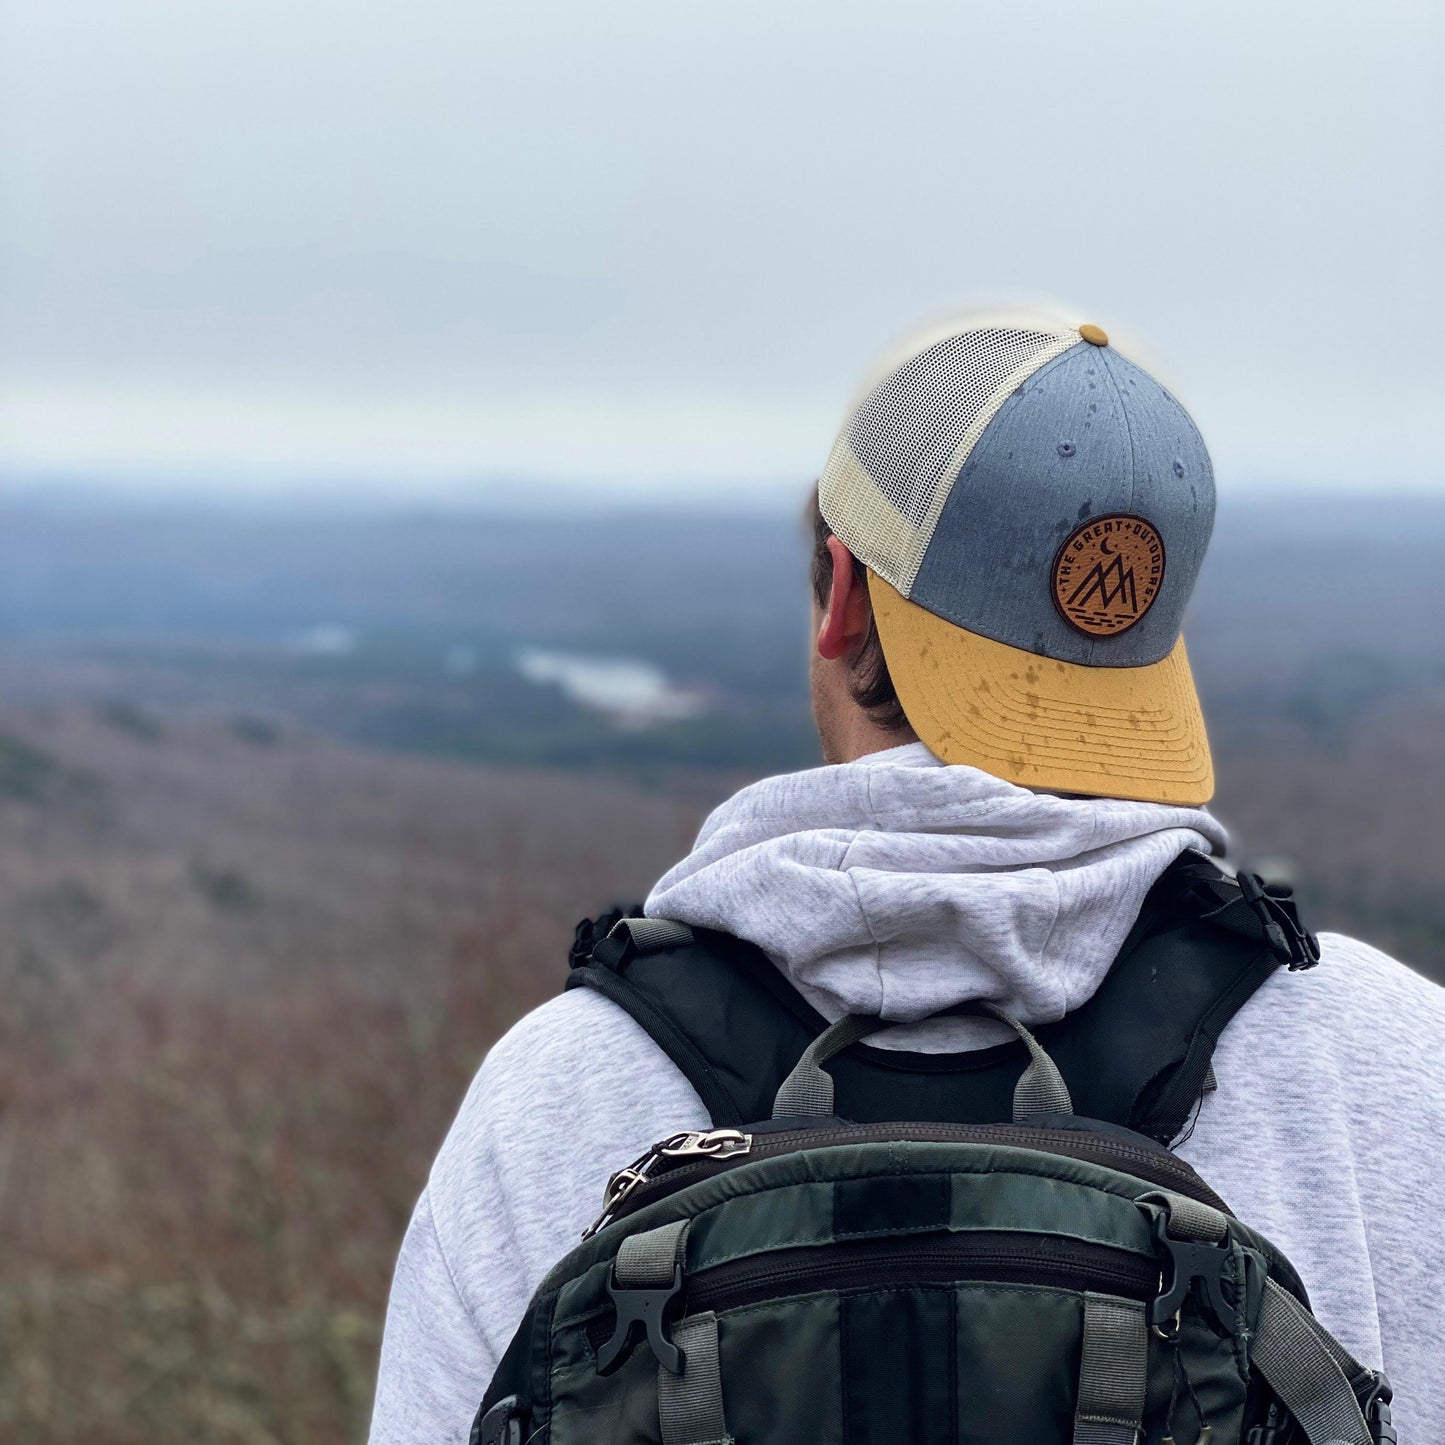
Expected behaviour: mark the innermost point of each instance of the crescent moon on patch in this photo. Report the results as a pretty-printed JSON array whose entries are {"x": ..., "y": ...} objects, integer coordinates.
[{"x": 1105, "y": 548}]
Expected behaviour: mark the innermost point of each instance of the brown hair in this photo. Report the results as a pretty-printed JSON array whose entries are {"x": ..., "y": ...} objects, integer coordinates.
[{"x": 871, "y": 684}]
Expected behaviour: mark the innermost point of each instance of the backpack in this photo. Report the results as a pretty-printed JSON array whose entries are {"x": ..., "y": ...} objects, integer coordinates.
[{"x": 872, "y": 1247}]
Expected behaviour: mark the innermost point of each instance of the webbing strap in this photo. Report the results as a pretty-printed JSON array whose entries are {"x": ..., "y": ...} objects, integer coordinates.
[
  {"x": 1189, "y": 1218},
  {"x": 1309, "y": 1370},
  {"x": 651, "y": 934},
  {"x": 1113, "y": 1372},
  {"x": 649, "y": 1260},
  {"x": 1041, "y": 1088},
  {"x": 690, "y": 1405},
  {"x": 808, "y": 1090}
]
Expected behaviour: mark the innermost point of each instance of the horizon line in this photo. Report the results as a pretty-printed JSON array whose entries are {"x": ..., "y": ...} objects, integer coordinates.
[{"x": 522, "y": 496}]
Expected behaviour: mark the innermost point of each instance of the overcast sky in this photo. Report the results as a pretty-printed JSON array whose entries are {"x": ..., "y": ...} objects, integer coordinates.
[{"x": 261, "y": 243}]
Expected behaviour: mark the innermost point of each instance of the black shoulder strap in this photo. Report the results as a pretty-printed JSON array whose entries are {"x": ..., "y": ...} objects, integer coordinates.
[{"x": 1137, "y": 1053}]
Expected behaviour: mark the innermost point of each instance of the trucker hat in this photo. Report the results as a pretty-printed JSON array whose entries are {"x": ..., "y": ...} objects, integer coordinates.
[{"x": 1033, "y": 508}]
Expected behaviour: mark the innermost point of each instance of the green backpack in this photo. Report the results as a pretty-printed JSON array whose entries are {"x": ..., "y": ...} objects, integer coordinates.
[{"x": 817, "y": 1280}]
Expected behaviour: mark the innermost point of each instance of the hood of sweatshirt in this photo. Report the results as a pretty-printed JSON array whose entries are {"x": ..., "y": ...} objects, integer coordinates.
[{"x": 898, "y": 886}]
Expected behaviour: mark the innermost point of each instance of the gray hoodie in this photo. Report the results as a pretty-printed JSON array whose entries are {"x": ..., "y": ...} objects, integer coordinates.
[{"x": 898, "y": 886}]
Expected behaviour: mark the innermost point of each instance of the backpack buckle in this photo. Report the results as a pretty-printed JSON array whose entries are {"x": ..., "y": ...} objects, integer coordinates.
[
  {"x": 501, "y": 1425},
  {"x": 648, "y": 1308},
  {"x": 1193, "y": 1261},
  {"x": 591, "y": 933},
  {"x": 1289, "y": 940},
  {"x": 1270, "y": 1431},
  {"x": 1376, "y": 1409}
]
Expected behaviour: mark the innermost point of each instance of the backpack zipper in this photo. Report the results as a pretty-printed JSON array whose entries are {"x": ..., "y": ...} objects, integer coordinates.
[
  {"x": 684, "y": 1158},
  {"x": 901, "y": 1261},
  {"x": 710, "y": 1145}
]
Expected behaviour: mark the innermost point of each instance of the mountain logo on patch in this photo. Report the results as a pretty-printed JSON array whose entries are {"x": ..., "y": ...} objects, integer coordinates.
[{"x": 1108, "y": 573}]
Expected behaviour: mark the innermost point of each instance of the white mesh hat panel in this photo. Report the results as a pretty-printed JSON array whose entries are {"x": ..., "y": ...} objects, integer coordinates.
[{"x": 910, "y": 433}]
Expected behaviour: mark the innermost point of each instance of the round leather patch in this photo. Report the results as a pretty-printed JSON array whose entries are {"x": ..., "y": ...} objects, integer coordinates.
[{"x": 1108, "y": 573}]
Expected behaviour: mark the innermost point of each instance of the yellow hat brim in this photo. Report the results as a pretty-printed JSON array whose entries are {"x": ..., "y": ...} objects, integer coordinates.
[{"x": 1117, "y": 732}]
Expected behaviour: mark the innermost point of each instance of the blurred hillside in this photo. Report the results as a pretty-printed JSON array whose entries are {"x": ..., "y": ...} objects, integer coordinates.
[
  {"x": 409, "y": 630},
  {"x": 292, "y": 824},
  {"x": 245, "y": 977}
]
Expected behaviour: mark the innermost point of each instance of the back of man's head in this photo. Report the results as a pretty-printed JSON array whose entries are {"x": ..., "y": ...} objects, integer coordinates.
[{"x": 1032, "y": 509}]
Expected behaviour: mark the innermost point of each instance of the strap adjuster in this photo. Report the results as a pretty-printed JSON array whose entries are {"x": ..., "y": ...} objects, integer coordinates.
[
  {"x": 1376, "y": 1409},
  {"x": 501, "y": 1425},
  {"x": 1290, "y": 941},
  {"x": 591, "y": 933}
]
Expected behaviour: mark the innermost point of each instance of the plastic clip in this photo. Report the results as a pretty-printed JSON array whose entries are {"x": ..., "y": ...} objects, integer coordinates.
[
  {"x": 590, "y": 936},
  {"x": 1191, "y": 1260},
  {"x": 501, "y": 1425},
  {"x": 648, "y": 1308},
  {"x": 1270, "y": 1430},
  {"x": 1376, "y": 1409},
  {"x": 1289, "y": 940}
]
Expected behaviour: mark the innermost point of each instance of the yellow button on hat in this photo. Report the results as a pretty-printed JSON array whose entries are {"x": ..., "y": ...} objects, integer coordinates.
[{"x": 1094, "y": 335}]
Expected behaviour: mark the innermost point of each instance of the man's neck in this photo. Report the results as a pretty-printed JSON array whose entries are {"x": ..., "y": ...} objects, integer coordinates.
[{"x": 867, "y": 740}]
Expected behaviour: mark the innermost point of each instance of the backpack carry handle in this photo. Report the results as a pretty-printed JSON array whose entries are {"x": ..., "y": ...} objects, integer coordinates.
[{"x": 808, "y": 1091}]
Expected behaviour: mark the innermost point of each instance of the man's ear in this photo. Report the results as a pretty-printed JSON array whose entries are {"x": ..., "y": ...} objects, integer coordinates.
[{"x": 845, "y": 623}]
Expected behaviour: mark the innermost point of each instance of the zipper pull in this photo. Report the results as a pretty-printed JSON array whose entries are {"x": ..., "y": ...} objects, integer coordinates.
[
  {"x": 714, "y": 1144},
  {"x": 621, "y": 1185},
  {"x": 711, "y": 1144}
]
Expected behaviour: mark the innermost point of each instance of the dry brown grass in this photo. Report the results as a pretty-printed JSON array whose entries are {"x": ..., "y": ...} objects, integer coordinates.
[{"x": 242, "y": 989}]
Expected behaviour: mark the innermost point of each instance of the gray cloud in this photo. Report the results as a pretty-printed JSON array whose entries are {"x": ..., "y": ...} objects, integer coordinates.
[{"x": 632, "y": 241}]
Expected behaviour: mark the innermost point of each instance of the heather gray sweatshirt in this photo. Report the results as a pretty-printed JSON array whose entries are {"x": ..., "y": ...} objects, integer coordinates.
[{"x": 898, "y": 886}]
